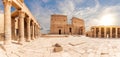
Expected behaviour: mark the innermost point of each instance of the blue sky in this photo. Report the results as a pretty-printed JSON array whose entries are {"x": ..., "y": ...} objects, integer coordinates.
[{"x": 92, "y": 11}]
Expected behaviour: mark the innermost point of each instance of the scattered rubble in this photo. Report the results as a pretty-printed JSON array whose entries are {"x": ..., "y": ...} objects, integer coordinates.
[{"x": 57, "y": 48}]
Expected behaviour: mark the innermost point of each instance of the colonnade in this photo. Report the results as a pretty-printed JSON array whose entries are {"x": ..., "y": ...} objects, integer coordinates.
[
  {"x": 105, "y": 32},
  {"x": 20, "y": 27}
]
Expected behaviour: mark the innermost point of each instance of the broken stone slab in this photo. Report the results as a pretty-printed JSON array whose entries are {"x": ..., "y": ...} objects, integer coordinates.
[
  {"x": 75, "y": 44},
  {"x": 57, "y": 48}
]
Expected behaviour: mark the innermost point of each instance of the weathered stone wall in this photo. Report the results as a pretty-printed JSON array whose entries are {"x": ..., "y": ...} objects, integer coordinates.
[
  {"x": 19, "y": 23},
  {"x": 78, "y": 25},
  {"x": 59, "y": 25},
  {"x": 69, "y": 29}
]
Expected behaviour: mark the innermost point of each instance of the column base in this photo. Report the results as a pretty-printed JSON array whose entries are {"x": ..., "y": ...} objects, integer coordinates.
[
  {"x": 32, "y": 38},
  {"x": 21, "y": 42},
  {"x": 27, "y": 40},
  {"x": 7, "y": 42}
]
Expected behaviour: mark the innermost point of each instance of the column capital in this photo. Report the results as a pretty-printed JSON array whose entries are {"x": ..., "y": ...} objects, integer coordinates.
[
  {"x": 33, "y": 23},
  {"x": 28, "y": 19},
  {"x": 21, "y": 14},
  {"x": 7, "y": 2}
]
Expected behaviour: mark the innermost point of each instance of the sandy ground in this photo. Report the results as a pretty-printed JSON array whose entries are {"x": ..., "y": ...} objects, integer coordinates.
[{"x": 73, "y": 46}]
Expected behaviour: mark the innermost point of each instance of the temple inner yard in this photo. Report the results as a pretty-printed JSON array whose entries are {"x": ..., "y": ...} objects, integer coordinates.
[
  {"x": 72, "y": 46},
  {"x": 21, "y": 33}
]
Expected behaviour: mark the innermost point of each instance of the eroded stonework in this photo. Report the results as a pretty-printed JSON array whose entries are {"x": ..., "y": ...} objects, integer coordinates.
[
  {"x": 19, "y": 25},
  {"x": 104, "y": 32},
  {"x": 59, "y": 25}
]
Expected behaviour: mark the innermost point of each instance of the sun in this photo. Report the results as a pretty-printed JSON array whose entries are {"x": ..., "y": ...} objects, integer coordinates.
[{"x": 107, "y": 19}]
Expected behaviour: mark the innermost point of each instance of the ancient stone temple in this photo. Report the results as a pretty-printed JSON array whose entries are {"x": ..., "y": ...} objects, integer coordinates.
[
  {"x": 19, "y": 25},
  {"x": 59, "y": 25},
  {"x": 104, "y": 32}
]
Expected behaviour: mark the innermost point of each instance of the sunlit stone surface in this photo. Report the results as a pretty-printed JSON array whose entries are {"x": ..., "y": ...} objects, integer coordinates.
[{"x": 73, "y": 46}]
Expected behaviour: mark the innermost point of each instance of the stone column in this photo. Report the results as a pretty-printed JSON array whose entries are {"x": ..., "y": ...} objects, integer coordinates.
[
  {"x": 37, "y": 32},
  {"x": 94, "y": 32},
  {"x": 105, "y": 32},
  {"x": 28, "y": 29},
  {"x": 7, "y": 21},
  {"x": 21, "y": 26},
  {"x": 110, "y": 32},
  {"x": 99, "y": 32},
  {"x": 33, "y": 31},
  {"x": 13, "y": 28},
  {"x": 116, "y": 33}
]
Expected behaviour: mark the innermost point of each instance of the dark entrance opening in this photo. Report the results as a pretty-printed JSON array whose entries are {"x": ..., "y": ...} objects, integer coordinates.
[
  {"x": 59, "y": 31},
  {"x": 81, "y": 32},
  {"x": 70, "y": 29}
]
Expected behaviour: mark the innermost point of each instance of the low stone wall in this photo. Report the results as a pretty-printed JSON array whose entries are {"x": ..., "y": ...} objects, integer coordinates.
[{"x": 54, "y": 36}]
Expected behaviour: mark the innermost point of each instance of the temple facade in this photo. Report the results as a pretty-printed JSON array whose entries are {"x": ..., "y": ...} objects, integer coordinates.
[
  {"x": 104, "y": 32},
  {"x": 59, "y": 25},
  {"x": 19, "y": 25}
]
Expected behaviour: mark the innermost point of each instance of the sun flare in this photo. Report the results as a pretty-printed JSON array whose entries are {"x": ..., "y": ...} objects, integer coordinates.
[{"x": 107, "y": 19}]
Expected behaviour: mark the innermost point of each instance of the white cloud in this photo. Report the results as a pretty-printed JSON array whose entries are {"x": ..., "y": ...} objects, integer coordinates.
[
  {"x": 1, "y": 6},
  {"x": 42, "y": 15},
  {"x": 66, "y": 7},
  {"x": 113, "y": 11},
  {"x": 45, "y": 1},
  {"x": 91, "y": 15}
]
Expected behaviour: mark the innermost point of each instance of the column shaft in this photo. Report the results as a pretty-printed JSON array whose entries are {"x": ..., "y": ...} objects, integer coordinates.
[
  {"x": 7, "y": 21},
  {"x": 28, "y": 29},
  {"x": 99, "y": 32},
  {"x": 35, "y": 31},
  {"x": 105, "y": 32},
  {"x": 94, "y": 32},
  {"x": 21, "y": 26},
  {"x": 110, "y": 32},
  {"x": 116, "y": 33},
  {"x": 13, "y": 29},
  {"x": 32, "y": 30}
]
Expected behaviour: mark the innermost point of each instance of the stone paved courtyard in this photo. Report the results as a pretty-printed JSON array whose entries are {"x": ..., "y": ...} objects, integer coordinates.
[{"x": 73, "y": 46}]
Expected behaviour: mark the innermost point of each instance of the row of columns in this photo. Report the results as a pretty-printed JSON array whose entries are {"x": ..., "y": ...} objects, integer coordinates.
[
  {"x": 104, "y": 32},
  {"x": 9, "y": 27}
]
